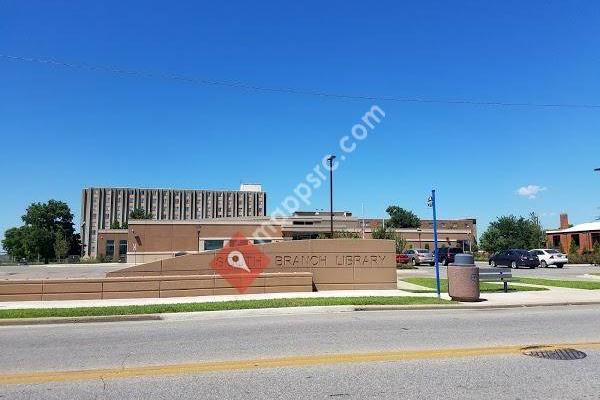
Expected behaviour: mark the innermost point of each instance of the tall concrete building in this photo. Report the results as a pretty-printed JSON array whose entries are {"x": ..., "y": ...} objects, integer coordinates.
[{"x": 102, "y": 206}]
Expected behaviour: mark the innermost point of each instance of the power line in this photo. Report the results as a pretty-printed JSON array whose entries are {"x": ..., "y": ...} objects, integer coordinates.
[{"x": 286, "y": 90}]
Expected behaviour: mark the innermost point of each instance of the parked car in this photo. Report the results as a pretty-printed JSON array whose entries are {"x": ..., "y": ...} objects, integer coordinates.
[
  {"x": 419, "y": 256},
  {"x": 514, "y": 258},
  {"x": 401, "y": 259},
  {"x": 549, "y": 257},
  {"x": 446, "y": 254}
]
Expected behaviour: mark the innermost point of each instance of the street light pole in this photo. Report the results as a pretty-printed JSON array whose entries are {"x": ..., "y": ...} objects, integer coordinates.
[
  {"x": 431, "y": 203},
  {"x": 597, "y": 170},
  {"x": 330, "y": 159}
]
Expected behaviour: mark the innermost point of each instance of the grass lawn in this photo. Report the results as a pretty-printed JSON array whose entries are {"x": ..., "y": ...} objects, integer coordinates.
[
  {"x": 560, "y": 283},
  {"x": 405, "y": 266},
  {"x": 217, "y": 306},
  {"x": 483, "y": 286}
]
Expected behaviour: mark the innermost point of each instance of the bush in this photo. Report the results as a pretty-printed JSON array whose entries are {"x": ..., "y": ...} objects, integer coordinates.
[
  {"x": 573, "y": 248},
  {"x": 481, "y": 256},
  {"x": 586, "y": 257}
]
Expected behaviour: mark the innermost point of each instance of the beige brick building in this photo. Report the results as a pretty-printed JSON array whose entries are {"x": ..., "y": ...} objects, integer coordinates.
[
  {"x": 102, "y": 206},
  {"x": 150, "y": 240}
]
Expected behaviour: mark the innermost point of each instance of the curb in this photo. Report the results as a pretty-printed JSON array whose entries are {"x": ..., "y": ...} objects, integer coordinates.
[
  {"x": 463, "y": 306},
  {"x": 257, "y": 312},
  {"x": 590, "y": 276},
  {"x": 79, "y": 320}
]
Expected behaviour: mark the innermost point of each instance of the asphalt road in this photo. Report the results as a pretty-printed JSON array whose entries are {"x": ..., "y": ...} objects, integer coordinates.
[{"x": 307, "y": 348}]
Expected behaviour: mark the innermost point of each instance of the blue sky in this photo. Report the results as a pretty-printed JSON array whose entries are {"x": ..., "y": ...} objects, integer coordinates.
[{"x": 64, "y": 129}]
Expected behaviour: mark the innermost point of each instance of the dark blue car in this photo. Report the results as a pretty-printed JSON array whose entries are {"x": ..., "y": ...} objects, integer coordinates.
[{"x": 514, "y": 258}]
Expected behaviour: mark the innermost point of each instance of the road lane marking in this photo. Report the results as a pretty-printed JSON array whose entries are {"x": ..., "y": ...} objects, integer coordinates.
[{"x": 295, "y": 361}]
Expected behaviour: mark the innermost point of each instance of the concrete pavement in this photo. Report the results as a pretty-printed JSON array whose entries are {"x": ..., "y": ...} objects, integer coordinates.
[
  {"x": 552, "y": 296},
  {"x": 128, "y": 346},
  {"x": 59, "y": 271}
]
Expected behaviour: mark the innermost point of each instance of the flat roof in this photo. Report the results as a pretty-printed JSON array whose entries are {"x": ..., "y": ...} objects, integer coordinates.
[
  {"x": 207, "y": 221},
  {"x": 171, "y": 188},
  {"x": 287, "y": 224}
]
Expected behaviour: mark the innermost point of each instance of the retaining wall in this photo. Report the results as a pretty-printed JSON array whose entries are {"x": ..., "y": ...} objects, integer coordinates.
[{"x": 147, "y": 287}]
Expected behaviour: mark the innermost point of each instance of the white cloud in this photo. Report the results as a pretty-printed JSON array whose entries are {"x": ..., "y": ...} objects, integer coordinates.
[{"x": 530, "y": 191}]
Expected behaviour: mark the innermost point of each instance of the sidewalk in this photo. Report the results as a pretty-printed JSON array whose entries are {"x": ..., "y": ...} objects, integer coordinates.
[
  {"x": 552, "y": 296},
  {"x": 205, "y": 299}
]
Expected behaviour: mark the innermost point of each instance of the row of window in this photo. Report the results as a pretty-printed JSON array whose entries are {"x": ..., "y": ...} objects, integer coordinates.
[
  {"x": 208, "y": 245},
  {"x": 218, "y": 244},
  {"x": 110, "y": 248}
]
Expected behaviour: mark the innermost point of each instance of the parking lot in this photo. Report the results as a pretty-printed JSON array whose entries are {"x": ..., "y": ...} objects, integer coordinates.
[{"x": 569, "y": 271}]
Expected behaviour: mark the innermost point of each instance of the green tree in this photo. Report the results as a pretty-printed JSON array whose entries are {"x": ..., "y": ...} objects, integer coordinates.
[
  {"x": 43, "y": 224},
  {"x": 388, "y": 233},
  {"x": 596, "y": 253},
  {"x": 401, "y": 218},
  {"x": 537, "y": 235},
  {"x": 511, "y": 232},
  {"x": 14, "y": 242},
  {"x": 573, "y": 248},
  {"x": 39, "y": 243},
  {"x": 140, "y": 213},
  {"x": 115, "y": 224},
  {"x": 61, "y": 246}
]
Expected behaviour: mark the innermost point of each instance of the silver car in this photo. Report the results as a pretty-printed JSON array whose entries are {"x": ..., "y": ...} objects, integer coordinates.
[{"x": 419, "y": 256}]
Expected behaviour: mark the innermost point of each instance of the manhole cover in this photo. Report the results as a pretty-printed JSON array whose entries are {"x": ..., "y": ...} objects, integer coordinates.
[{"x": 554, "y": 353}]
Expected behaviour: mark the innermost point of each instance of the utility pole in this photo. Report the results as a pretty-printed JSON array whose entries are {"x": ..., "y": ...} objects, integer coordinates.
[{"x": 330, "y": 159}]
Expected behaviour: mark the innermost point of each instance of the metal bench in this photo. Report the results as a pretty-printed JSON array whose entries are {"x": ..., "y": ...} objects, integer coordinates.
[{"x": 495, "y": 275}]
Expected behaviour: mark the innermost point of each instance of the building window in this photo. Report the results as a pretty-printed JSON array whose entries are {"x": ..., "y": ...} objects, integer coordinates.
[
  {"x": 110, "y": 249},
  {"x": 213, "y": 244},
  {"x": 262, "y": 241},
  {"x": 122, "y": 248},
  {"x": 556, "y": 241},
  {"x": 575, "y": 239}
]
